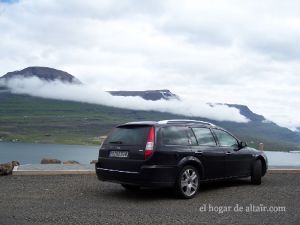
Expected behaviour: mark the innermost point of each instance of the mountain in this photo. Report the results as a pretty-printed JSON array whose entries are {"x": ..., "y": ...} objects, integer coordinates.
[
  {"x": 44, "y": 73},
  {"x": 155, "y": 95},
  {"x": 245, "y": 111},
  {"x": 152, "y": 95},
  {"x": 36, "y": 119},
  {"x": 297, "y": 131},
  {"x": 33, "y": 119}
]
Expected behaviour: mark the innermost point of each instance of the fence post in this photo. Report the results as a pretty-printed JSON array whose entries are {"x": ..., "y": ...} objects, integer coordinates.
[{"x": 261, "y": 146}]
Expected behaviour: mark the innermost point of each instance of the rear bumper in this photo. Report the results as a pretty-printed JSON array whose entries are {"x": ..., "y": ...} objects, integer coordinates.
[{"x": 148, "y": 176}]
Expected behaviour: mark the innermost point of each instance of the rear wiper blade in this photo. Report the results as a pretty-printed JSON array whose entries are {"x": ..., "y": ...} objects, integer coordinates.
[{"x": 116, "y": 142}]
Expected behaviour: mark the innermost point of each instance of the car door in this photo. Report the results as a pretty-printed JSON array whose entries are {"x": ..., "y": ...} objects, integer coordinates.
[
  {"x": 237, "y": 161},
  {"x": 175, "y": 144},
  {"x": 211, "y": 156}
]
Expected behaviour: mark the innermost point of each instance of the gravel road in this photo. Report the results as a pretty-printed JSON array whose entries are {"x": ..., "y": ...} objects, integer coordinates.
[{"x": 82, "y": 199}]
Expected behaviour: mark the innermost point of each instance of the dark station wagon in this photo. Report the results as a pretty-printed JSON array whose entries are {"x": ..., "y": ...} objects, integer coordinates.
[{"x": 179, "y": 154}]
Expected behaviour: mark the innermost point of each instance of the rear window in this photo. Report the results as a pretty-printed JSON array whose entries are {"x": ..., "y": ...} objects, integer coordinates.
[{"x": 129, "y": 135}]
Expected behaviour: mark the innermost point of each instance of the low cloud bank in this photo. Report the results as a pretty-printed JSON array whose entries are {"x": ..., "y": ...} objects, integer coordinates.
[{"x": 94, "y": 94}]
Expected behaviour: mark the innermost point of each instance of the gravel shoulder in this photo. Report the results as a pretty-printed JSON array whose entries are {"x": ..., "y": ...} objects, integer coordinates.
[{"x": 82, "y": 199}]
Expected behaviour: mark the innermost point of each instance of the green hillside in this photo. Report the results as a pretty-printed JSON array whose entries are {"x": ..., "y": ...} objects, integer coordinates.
[{"x": 32, "y": 119}]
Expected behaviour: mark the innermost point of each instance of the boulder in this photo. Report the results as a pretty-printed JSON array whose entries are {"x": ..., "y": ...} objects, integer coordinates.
[
  {"x": 50, "y": 161},
  {"x": 7, "y": 168},
  {"x": 93, "y": 161},
  {"x": 71, "y": 162}
]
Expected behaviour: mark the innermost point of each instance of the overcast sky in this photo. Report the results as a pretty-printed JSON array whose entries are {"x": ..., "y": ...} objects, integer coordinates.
[{"x": 244, "y": 52}]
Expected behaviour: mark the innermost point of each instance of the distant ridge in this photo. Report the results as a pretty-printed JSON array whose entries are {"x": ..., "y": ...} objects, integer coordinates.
[
  {"x": 152, "y": 95},
  {"x": 245, "y": 111},
  {"x": 44, "y": 73}
]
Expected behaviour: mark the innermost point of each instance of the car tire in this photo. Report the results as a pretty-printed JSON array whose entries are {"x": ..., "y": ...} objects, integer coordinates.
[
  {"x": 131, "y": 187},
  {"x": 256, "y": 173},
  {"x": 187, "y": 183}
]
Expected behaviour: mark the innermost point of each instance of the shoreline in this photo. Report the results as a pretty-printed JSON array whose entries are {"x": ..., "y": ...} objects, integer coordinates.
[{"x": 45, "y": 143}]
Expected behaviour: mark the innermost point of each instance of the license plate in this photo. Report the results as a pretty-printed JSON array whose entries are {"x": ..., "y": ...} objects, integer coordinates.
[{"x": 118, "y": 154}]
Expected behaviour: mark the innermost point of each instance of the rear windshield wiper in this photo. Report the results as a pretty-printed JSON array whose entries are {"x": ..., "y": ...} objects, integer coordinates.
[{"x": 116, "y": 142}]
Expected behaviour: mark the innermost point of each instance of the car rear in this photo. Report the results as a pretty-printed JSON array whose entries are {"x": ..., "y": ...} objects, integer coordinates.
[{"x": 126, "y": 156}]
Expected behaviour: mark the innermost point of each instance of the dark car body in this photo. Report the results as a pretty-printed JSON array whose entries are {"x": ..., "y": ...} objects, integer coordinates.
[{"x": 177, "y": 143}]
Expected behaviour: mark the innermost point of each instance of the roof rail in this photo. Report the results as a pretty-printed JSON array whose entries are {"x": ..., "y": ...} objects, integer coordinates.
[{"x": 184, "y": 121}]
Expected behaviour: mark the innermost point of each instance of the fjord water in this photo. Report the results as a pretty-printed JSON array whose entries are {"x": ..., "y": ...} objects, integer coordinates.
[{"x": 29, "y": 153}]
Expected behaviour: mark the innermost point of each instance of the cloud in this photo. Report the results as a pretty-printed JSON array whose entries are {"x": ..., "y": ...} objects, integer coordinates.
[
  {"x": 92, "y": 94},
  {"x": 243, "y": 52}
]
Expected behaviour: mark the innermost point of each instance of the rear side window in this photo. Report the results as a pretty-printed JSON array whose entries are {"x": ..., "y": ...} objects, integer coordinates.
[
  {"x": 225, "y": 139},
  {"x": 204, "y": 136},
  {"x": 129, "y": 135},
  {"x": 173, "y": 135}
]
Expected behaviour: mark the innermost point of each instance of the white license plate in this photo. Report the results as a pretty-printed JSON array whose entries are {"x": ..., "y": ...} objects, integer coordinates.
[{"x": 118, "y": 154}]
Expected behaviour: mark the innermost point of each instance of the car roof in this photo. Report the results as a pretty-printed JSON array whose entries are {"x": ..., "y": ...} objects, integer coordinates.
[
  {"x": 181, "y": 122},
  {"x": 172, "y": 122},
  {"x": 140, "y": 123}
]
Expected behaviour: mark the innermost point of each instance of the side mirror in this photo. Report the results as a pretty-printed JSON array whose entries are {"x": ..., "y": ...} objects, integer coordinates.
[{"x": 242, "y": 144}]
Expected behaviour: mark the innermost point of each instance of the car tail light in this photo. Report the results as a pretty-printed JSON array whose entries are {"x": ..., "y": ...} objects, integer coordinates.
[{"x": 150, "y": 144}]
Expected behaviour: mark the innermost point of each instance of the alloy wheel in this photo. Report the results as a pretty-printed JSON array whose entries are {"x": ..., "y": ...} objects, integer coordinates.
[{"x": 189, "y": 182}]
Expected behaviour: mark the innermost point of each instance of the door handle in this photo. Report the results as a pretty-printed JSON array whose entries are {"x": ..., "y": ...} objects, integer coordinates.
[{"x": 228, "y": 153}]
